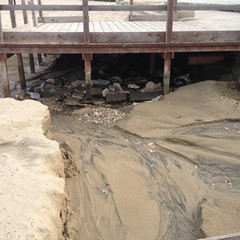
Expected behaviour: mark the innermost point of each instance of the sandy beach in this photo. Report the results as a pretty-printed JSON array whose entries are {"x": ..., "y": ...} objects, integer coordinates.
[{"x": 168, "y": 170}]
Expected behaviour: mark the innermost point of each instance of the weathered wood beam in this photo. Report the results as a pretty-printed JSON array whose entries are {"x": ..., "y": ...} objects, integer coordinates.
[
  {"x": 25, "y": 17},
  {"x": 88, "y": 81},
  {"x": 63, "y": 19},
  {"x": 208, "y": 7},
  {"x": 3, "y": 65},
  {"x": 169, "y": 22},
  {"x": 21, "y": 71},
  {"x": 152, "y": 64},
  {"x": 166, "y": 73},
  {"x": 168, "y": 40},
  {"x": 40, "y": 12},
  {"x": 12, "y": 15},
  {"x": 119, "y": 47},
  {"x": 156, "y": 8},
  {"x": 86, "y": 22},
  {"x": 4, "y": 75},
  {"x": 31, "y": 63},
  {"x": 29, "y": 7}
]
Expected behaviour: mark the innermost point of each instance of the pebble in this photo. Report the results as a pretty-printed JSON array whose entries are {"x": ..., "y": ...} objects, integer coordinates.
[
  {"x": 133, "y": 86},
  {"x": 101, "y": 115}
]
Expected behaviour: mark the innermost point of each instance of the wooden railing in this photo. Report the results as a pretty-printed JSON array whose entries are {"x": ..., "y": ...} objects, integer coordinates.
[{"x": 85, "y": 8}]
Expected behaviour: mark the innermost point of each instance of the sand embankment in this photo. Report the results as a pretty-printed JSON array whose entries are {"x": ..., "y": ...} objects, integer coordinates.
[{"x": 31, "y": 174}]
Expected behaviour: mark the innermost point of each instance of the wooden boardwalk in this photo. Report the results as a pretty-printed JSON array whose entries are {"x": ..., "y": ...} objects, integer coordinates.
[{"x": 214, "y": 28}]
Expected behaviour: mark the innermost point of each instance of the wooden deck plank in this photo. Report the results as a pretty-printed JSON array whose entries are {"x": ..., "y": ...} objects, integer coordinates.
[
  {"x": 91, "y": 27},
  {"x": 58, "y": 27},
  {"x": 105, "y": 27},
  {"x": 66, "y": 27},
  {"x": 73, "y": 27},
  {"x": 97, "y": 27},
  {"x": 80, "y": 28},
  {"x": 114, "y": 27},
  {"x": 137, "y": 27},
  {"x": 129, "y": 27},
  {"x": 50, "y": 27},
  {"x": 121, "y": 27}
]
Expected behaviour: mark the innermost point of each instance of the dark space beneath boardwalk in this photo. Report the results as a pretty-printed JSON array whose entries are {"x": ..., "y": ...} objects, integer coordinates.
[{"x": 169, "y": 170}]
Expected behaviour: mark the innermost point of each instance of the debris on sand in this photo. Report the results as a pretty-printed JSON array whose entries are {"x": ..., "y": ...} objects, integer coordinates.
[{"x": 102, "y": 115}]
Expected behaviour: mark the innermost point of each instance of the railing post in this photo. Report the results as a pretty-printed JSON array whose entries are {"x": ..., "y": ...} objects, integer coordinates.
[
  {"x": 40, "y": 12},
  {"x": 25, "y": 17},
  {"x": 12, "y": 15},
  {"x": 87, "y": 57},
  {"x": 31, "y": 58},
  {"x": 19, "y": 56},
  {"x": 3, "y": 66},
  {"x": 168, "y": 40},
  {"x": 86, "y": 22},
  {"x": 131, "y": 12}
]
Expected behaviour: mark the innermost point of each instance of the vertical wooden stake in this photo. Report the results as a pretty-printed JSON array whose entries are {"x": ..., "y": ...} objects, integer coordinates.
[
  {"x": 31, "y": 63},
  {"x": 3, "y": 66},
  {"x": 166, "y": 73},
  {"x": 39, "y": 58},
  {"x": 21, "y": 72},
  {"x": 88, "y": 81},
  {"x": 4, "y": 75},
  {"x": 152, "y": 64}
]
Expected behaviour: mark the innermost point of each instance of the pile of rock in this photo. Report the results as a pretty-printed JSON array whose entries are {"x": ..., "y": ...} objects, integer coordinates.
[{"x": 102, "y": 115}]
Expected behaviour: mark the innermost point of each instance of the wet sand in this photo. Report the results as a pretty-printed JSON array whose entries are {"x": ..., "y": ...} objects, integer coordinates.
[{"x": 170, "y": 170}]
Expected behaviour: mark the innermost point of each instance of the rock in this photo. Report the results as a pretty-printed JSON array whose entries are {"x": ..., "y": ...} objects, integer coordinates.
[
  {"x": 22, "y": 95},
  {"x": 151, "y": 87},
  {"x": 100, "y": 82},
  {"x": 105, "y": 92},
  {"x": 116, "y": 79},
  {"x": 116, "y": 97},
  {"x": 133, "y": 86},
  {"x": 116, "y": 87},
  {"x": 34, "y": 95},
  {"x": 143, "y": 96},
  {"x": 77, "y": 83},
  {"x": 96, "y": 92},
  {"x": 12, "y": 85},
  {"x": 72, "y": 101},
  {"x": 50, "y": 80},
  {"x": 182, "y": 80}
]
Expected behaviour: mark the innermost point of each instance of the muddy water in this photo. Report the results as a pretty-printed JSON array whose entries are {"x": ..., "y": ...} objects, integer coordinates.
[{"x": 153, "y": 175}]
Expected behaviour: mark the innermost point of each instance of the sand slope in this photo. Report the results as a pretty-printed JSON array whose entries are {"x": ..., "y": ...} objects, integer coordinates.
[{"x": 31, "y": 171}]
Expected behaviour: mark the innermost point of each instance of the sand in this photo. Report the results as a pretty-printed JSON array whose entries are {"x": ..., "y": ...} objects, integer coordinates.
[
  {"x": 31, "y": 174},
  {"x": 170, "y": 170}
]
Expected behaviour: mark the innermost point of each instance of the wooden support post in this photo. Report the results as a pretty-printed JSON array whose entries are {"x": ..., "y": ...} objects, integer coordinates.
[
  {"x": 39, "y": 58},
  {"x": 4, "y": 75},
  {"x": 88, "y": 81},
  {"x": 31, "y": 58},
  {"x": 31, "y": 63},
  {"x": 152, "y": 64},
  {"x": 3, "y": 66},
  {"x": 168, "y": 39},
  {"x": 166, "y": 73},
  {"x": 21, "y": 72}
]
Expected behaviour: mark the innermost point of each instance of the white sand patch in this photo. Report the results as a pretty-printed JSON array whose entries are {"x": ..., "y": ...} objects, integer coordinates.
[{"x": 31, "y": 171}]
